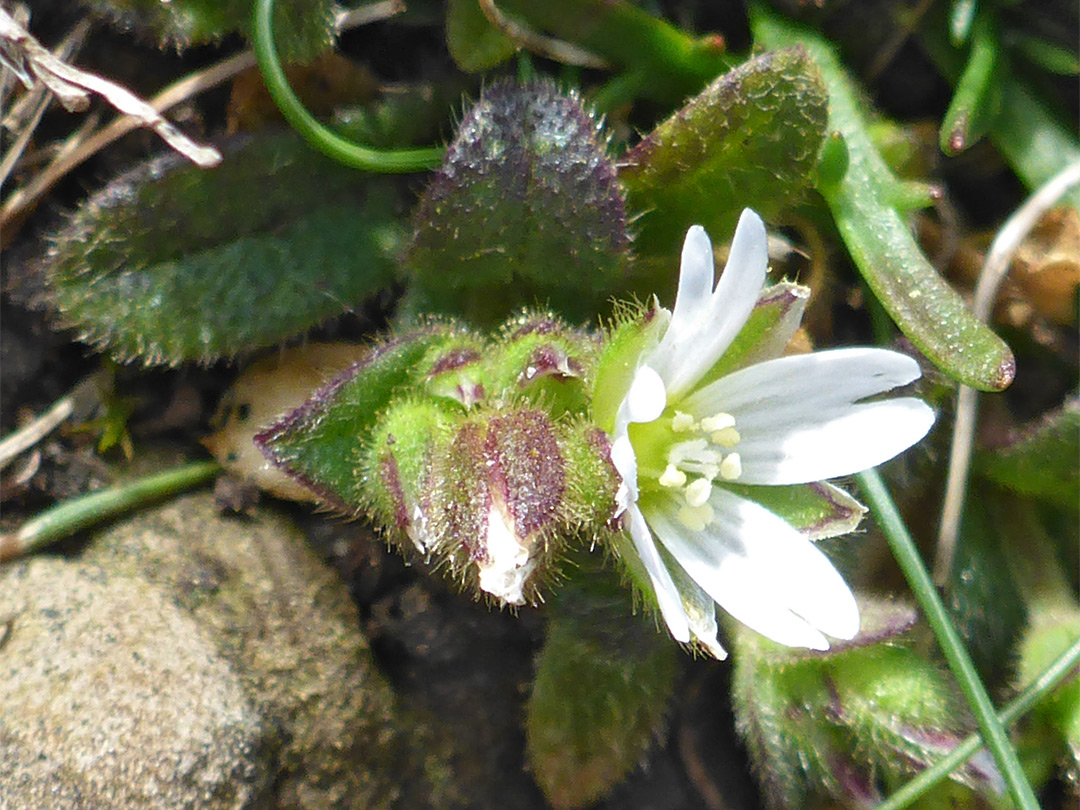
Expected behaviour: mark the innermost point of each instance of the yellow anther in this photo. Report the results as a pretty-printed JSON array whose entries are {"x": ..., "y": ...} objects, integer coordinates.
[
  {"x": 673, "y": 477},
  {"x": 682, "y": 422},
  {"x": 696, "y": 518},
  {"x": 731, "y": 467},
  {"x": 718, "y": 421},
  {"x": 698, "y": 492},
  {"x": 728, "y": 437}
]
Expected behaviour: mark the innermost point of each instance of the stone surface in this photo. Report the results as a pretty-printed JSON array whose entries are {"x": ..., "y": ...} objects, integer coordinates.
[
  {"x": 186, "y": 660},
  {"x": 112, "y": 697},
  {"x": 285, "y": 623}
]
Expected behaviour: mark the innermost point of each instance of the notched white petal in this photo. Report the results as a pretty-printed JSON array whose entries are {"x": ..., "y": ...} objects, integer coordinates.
[{"x": 508, "y": 563}]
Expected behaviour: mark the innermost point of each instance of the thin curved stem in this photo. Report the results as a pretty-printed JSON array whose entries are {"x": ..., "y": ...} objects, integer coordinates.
[
  {"x": 354, "y": 155},
  {"x": 1051, "y": 677},
  {"x": 907, "y": 556}
]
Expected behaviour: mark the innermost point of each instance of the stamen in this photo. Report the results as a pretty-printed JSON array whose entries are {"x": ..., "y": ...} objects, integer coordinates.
[
  {"x": 698, "y": 492},
  {"x": 731, "y": 467},
  {"x": 673, "y": 477},
  {"x": 718, "y": 421},
  {"x": 696, "y": 518},
  {"x": 682, "y": 422},
  {"x": 728, "y": 437}
]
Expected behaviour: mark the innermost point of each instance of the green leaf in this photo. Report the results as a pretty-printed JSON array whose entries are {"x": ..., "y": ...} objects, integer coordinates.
[
  {"x": 984, "y": 600},
  {"x": 527, "y": 201},
  {"x": 323, "y": 443},
  {"x": 306, "y": 26},
  {"x": 603, "y": 684},
  {"x": 265, "y": 246},
  {"x": 1042, "y": 461},
  {"x": 977, "y": 97},
  {"x": 750, "y": 139},
  {"x": 863, "y": 203},
  {"x": 474, "y": 43}
]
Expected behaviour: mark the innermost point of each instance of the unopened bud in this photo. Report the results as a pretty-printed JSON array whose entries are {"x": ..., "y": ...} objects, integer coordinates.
[
  {"x": 398, "y": 469},
  {"x": 453, "y": 369},
  {"x": 499, "y": 489},
  {"x": 544, "y": 360}
]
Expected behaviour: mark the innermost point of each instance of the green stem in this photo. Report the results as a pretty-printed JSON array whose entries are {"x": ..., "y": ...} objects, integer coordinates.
[
  {"x": 907, "y": 556},
  {"x": 1021, "y": 704},
  {"x": 354, "y": 155},
  {"x": 68, "y": 517}
]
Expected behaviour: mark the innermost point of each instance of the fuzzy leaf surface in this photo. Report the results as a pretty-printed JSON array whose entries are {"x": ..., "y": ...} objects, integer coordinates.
[
  {"x": 323, "y": 443},
  {"x": 1042, "y": 462},
  {"x": 750, "y": 139},
  {"x": 304, "y": 28},
  {"x": 526, "y": 201},
  {"x": 603, "y": 682},
  {"x": 170, "y": 263}
]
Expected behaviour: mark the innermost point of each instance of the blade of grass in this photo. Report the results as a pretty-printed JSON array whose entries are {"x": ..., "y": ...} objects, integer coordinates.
[
  {"x": 907, "y": 556},
  {"x": 68, "y": 517},
  {"x": 1051, "y": 677}
]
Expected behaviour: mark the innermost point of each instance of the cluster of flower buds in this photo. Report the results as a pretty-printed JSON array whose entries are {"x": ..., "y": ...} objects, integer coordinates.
[{"x": 474, "y": 453}]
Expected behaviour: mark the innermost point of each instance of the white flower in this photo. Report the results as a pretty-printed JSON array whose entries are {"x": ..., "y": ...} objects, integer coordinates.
[{"x": 686, "y": 443}]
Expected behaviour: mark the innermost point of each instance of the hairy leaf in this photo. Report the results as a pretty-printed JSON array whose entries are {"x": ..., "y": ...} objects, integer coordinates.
[
  {"x": 527, "y": 201},
  {"x": 750, "y": 139},
  {"x": 168, "y": 263},
  {"x": 304, "y": 28}
]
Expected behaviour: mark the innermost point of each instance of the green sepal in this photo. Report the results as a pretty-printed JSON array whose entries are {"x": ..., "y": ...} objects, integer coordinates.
[
  {"x": 268, "y": 244},
  {"x": 527, "y": 200},
  {"x": 474, "y": 43},
  {"x": 636, "y": 330},
  {"x": 603, "y": 683},
  {"x": 750, "y": 139},
  {"x": 397, "y": 469},
  {"x": 772, "y": 324},
  {"x": 323, "y": 442},
  {"x": 1042, "y": 461},
  {"x": 819, "y": 510},
  {"x": 306, "y": 27}
]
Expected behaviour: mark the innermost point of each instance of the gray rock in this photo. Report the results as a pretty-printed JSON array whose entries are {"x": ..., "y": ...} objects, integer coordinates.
[
  {"x": 186, "y": 660},
  {"x": 286, "y": 625},
  {"x": 111, "y": 697}
]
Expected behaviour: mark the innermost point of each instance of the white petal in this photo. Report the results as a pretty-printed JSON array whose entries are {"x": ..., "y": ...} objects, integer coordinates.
[
  {"x": 667, "y": 595},
  {"x": 625, "y": 463},
  {"x": 798, "y": 419},
  {"x": 695, "y": 277},
  {"x": 762, "y": 572},
  {"x": 646, "y": 399},
  {"x": 691, "y": 347}
]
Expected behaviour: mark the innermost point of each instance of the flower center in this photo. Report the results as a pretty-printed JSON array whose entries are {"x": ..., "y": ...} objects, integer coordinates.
[{"x": 701, "y": 454}]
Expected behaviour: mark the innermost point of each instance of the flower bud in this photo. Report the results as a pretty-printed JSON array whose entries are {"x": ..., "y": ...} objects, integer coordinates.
[
  {"x": 499, "y": 485},
  {"x": 544, "y": 360},
  {"x": 871, "y": 712},
  {"x": 398, "y": 469}
]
